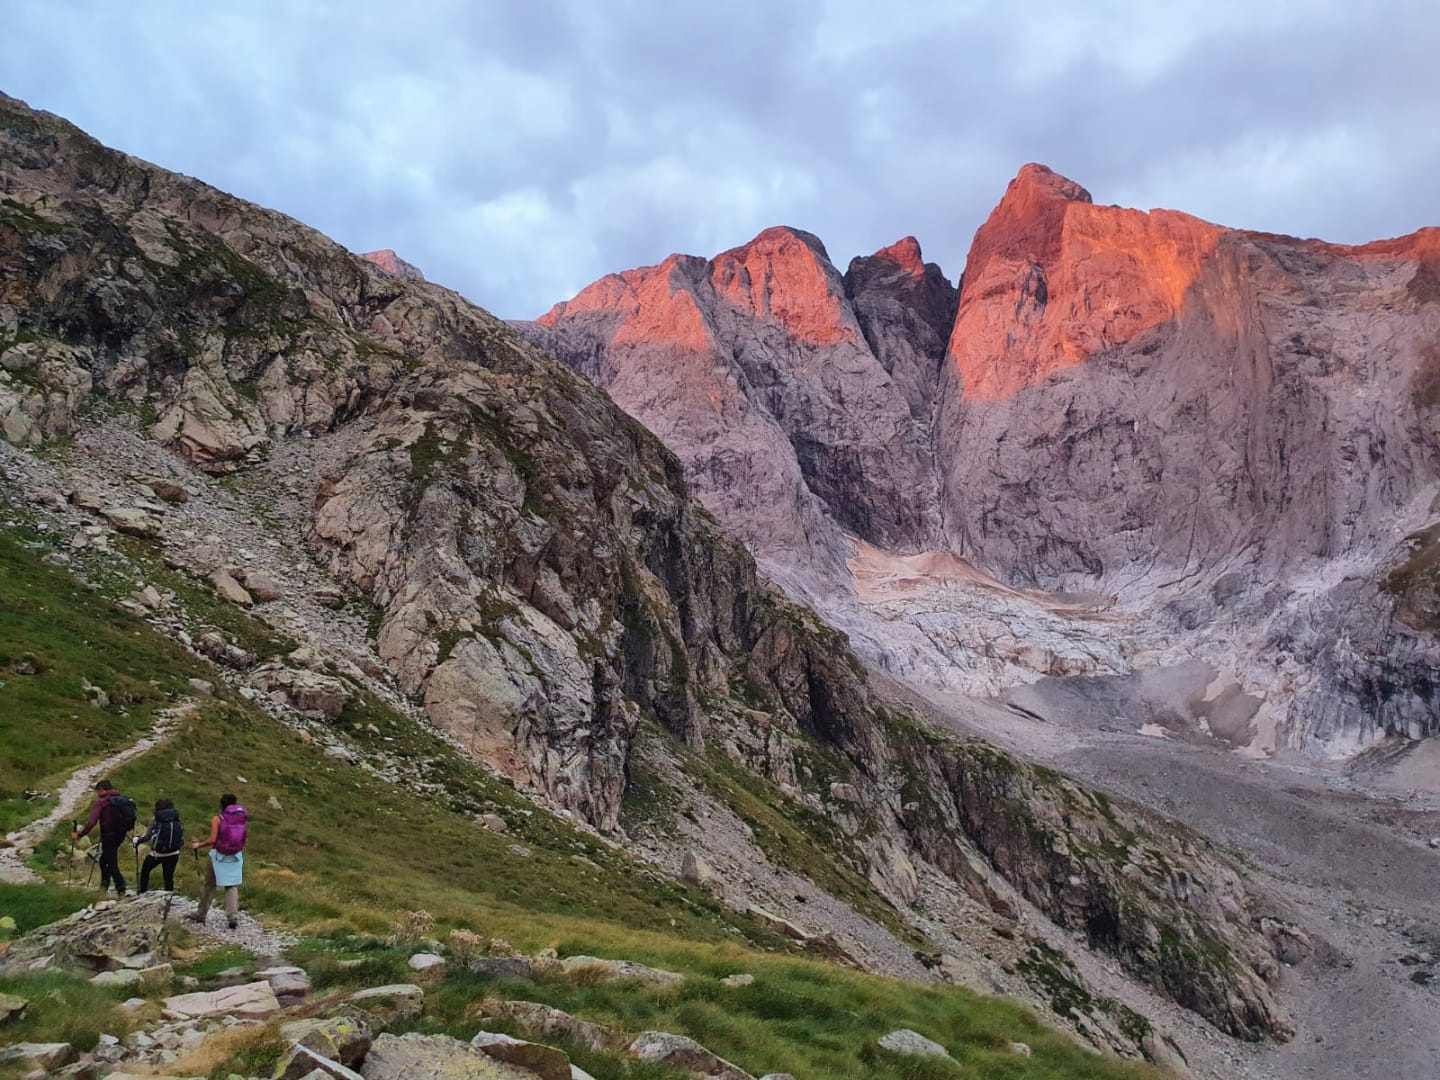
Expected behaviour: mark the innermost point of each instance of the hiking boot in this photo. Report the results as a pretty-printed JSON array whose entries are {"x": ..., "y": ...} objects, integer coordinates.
[
  {"x": 195, "y": 916},
  {"x": 234, "y": 922}
]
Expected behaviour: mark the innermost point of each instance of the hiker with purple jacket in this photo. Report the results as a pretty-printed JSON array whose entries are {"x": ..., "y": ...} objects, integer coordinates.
[{"x": 227, "y": 859}]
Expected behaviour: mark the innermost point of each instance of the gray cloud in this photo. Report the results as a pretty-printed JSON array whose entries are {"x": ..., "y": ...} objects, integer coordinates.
[{"x": 516, "y": 151}]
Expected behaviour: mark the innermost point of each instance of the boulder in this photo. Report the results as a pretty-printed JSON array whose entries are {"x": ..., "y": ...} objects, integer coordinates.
[
  {"x": 494, "y": 822},
  {"x": 311, "y": 694},
  {"x": 1020, "y": 1049},
  {"x": 340, "y": 1038},
  {"x": 11, "y": 1005},
  {"x": 424, "y": 961},
  {"x": 545, "y": 1062},
  {"x": 229, "y": 589},
  {"x": 290, "y": 983},
  {"x": 301, "y": 1063},
  {"x": 684, "y": 1055},
  {"x": 433, "y": 1057},
  {"x": 545, "y": 1022},
  {"x": 775, "y": 922},
  {"x": 123, "y": 977},
  {"x": 95, "y": 939},
  {"x": 390, "y": 1004},
  {"x": 737, "y": 981},
  {"x": 47, "y": 1056},
  {"x": 132, "y": 521},
  {"x": 909, "y": 1043},
  {"x": 150, "y": 597},
  {"x": 1161, "y": 1049},
  {"x": 253, "y": 1000},
  {"x": 263, "y": 587},
  {"x": 695, "y": 870},
  {"x": 501, "y": 967},
  {"x": 609, "y": 971}
]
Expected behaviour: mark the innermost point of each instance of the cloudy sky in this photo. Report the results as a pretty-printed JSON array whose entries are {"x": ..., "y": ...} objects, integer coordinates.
[{"x": 517, "y": 149}]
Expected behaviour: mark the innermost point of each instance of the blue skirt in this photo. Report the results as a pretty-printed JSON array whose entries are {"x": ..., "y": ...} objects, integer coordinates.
[{"x": 228, "y": 868}]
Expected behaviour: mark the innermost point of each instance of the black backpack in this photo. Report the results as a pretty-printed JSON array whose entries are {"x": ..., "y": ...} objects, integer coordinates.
[
  {"x": 169, "y": 837},
  {"x": 120, "y": 810}
]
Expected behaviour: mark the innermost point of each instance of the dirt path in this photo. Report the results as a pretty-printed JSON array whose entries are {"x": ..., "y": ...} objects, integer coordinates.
[{"x": 76, "y": 793}]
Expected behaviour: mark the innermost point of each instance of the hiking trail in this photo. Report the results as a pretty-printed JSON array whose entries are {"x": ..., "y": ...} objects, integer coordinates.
[{"x": 74, "y": 794}]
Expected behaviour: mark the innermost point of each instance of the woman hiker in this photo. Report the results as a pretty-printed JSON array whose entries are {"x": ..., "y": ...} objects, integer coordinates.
[
  {"x": 227, "y": 859},
  {"x": 166, "y": 837}
]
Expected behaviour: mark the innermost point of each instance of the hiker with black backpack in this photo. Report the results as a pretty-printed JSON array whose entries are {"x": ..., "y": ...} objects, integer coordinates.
[
  {"x": 115, "y": 815},
  {"x": 166, "y": 837},
  {"x": 227, "y": 859}
]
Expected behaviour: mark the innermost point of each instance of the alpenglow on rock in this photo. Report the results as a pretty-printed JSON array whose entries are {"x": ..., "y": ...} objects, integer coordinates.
[
  {"x": 391, "y": 263},
  {"x": 1135, "y": 413}
]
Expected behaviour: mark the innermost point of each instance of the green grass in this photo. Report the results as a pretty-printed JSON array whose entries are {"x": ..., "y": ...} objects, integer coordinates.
[
  {"x": 799, "y": 1016},
  {"x": 336, "y": 853},
  {"x": 39, "y": 905},
  {"x": 65, "y": 1008},
  {"x": 68, "y": 635}
]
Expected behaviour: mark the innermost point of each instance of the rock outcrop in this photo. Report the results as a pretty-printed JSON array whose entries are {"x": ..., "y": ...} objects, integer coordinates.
[{"x": 391, "y": 263}]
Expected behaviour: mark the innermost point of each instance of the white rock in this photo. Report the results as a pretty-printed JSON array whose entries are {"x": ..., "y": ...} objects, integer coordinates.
[
  {"x": 909, "y": 1043},
  {"x": 424, "y": 961}
]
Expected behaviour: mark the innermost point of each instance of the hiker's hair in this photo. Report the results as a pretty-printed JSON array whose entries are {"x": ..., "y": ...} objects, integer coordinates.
[
  {"x": 163, "y": 804},
  {"x": 227, "y": 800},
  {"x": 103, "y": 785}
]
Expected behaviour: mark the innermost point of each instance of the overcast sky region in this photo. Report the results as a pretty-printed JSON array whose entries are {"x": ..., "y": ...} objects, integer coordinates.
[{"x": 517, "y": 149}]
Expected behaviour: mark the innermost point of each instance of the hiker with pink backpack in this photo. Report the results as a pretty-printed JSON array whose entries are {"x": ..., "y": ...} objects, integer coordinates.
[{"x": 227, "y": 859}]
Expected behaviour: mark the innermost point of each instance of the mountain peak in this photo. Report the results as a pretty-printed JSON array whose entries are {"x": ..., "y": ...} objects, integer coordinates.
[
  {"x": 1040, "y": 181},
  {"x": 904, "y": 254}
]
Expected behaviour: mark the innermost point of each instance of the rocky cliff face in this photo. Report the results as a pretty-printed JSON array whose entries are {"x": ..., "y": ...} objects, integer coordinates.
[
  {"x": 798, "y": 400},
  {"x": 1203, "y": 429},
  {"x": 535, "y": 570}
]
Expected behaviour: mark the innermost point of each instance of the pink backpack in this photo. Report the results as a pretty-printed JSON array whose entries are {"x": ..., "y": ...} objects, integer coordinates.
[{"x": 231, "y": 839}]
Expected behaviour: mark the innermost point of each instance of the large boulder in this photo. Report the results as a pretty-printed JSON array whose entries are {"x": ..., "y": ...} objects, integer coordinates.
[
  {"x": 390, "y": 1004},
  {"x": 252, "y": 1000},
  {"x": 99, "y": 938},
  {"x": 909, "y": 1043},
  {"x": 46, "y": 1056},
  {"x": 434, "y": 1057},
  {"x": 302, "y": 1063},
  {"x": 341, "y": 1038},
  {"x": 545, "y": 1062},
  {"x": 684, "y": 1055},
  {"x": 544, "y": 1022},
  {"x": 291, "y": 984},
  {"x": 311, "y": 694}
]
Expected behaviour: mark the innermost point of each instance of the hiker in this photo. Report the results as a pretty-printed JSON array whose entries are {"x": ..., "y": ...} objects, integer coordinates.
[
  {"x": 166, "y": 837},
  {"x": 227, "y": 859},
  {"x": 115, "y": 814}
]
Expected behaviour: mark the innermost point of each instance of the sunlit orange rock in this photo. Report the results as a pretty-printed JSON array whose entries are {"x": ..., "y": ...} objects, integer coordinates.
[{"x": 1053, "y": 279}]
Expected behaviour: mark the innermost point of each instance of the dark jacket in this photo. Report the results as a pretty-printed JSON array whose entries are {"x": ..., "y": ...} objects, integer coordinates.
[
  {"x": 166, "y": 836},
  {"x": 111, "y": 827}
]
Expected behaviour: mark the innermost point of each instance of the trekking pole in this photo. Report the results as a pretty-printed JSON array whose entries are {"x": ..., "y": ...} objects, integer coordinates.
[
  {"x": 93, "y": 860},
  {"x": 136, "y": 848},
  {"x": 70, "y": 868}
]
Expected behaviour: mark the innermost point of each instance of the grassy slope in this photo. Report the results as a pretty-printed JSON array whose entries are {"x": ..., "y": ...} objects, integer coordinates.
[{"x": 347, "y": 853}]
